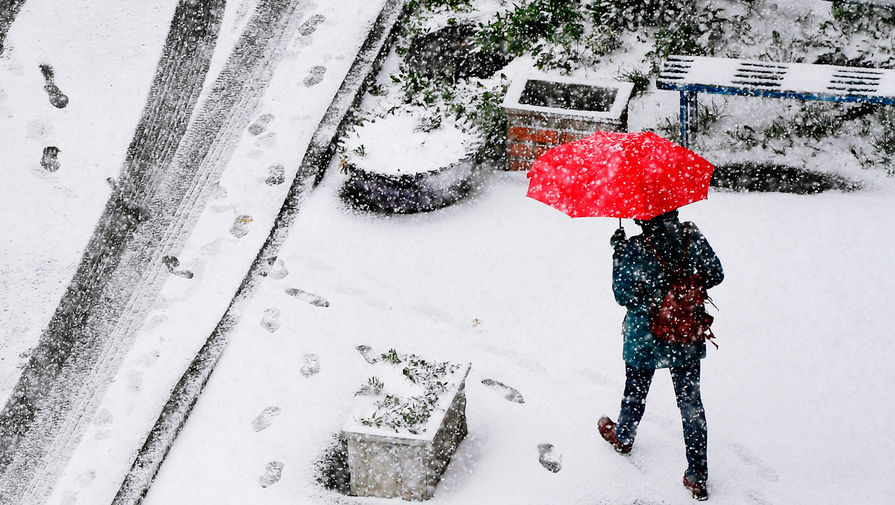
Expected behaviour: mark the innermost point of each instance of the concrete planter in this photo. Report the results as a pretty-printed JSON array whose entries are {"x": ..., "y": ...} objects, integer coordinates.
[
  {"x": 545, "y": 111},
  {"x": 386, "y": 464}
]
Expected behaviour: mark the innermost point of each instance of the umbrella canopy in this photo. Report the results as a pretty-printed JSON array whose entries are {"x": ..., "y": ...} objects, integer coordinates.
[{"x": 626, "y": 175}]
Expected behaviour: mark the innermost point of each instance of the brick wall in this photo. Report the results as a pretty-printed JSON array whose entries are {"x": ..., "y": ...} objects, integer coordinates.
[{"x": 529, "y": 135}]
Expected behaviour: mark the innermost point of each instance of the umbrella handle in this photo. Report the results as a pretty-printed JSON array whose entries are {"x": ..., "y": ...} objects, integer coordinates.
[{"x": 618, "y": 238}]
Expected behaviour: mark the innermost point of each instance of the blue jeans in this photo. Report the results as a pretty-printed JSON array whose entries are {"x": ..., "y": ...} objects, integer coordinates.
[{"x": 686, "y": 388}]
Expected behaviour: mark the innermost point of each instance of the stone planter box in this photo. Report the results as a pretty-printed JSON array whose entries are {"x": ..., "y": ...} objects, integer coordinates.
[
  {"x": 386, "y": 464},
  {"x": 545, "y": 111},
  {"x": 406, "y": 193}
]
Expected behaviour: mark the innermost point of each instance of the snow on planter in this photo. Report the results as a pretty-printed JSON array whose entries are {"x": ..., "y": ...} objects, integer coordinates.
[
  {"x": 544, "y": 111},
  {"x": 396, "y": 164},
  {"x": 406, "y": 424}
]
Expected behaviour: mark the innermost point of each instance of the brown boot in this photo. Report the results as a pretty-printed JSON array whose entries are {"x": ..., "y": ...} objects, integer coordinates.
[
  {"x": 700, "y": 492},
  {"x": 606, "y": 427}
]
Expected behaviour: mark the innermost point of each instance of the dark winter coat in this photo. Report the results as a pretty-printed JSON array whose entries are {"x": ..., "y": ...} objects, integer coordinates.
[{"x": 638, "y": 279}]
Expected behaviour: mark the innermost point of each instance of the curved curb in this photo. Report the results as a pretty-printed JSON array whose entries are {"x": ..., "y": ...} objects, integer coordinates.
[
  {"x": 185, "y": 394},
  {"x": 409, "y": 193}
]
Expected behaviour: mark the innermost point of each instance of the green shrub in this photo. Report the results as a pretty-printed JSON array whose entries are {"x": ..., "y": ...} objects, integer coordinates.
[
  {"x": 681, "y": 26},
  {"x": 537, "y": 27},
  {"x": 433, "y": 5},
  {"x": 639, "y": 78},
  {"x": 486, "y": 114}
]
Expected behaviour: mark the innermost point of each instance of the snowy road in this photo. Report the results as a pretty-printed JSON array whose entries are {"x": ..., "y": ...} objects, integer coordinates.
[
  {"x": 175, "y": 198},
  {"x": 261, "y": 134}
]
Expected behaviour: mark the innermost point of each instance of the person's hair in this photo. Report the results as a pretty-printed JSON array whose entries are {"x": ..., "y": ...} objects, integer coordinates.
[{"x": 656, "y": 221}]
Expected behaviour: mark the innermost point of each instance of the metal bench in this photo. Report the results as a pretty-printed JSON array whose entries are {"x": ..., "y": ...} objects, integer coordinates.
[
  {"x": 691, "y": 75},
  {"x": 882, "y": 3}
]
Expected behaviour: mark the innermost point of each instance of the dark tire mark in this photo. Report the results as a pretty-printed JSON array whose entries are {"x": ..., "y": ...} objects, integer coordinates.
[
  {"x": 313, "y": 165},
  {"x": 9, "y": 9},
  {"x": 71, "y": 345}
]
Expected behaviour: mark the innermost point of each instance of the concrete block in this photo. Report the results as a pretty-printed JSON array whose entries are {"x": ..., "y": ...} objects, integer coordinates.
[{"x": 390, "y": 465}]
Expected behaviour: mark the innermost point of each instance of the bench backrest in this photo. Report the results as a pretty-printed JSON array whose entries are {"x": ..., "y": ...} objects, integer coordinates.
[{"x": 786, "y": 80}]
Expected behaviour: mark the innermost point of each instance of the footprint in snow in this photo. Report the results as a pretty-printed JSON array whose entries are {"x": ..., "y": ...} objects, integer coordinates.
[
  {"x": 368, "y": 354},
  {"x": 310, "y": 26},
  {"x": 758, "y": 498},
  {"x": 315, "y": 75},
  {"x": 156, "y": 321},
  {"x": 267, "y": 141},
  {"x": 275, "y": 268},
  {"x": 272, "y": 474},
  {"x": 276, "y": 175},
  {"x": 265, "y": 418},
  {"x": 307, "y": 297},
  {"x": 86, "y": 478},
  {"x": 211, "y": 248},
  {"x": 135, "y": 381},
  {"x": 270, "y": 321},
  {"x": 38, "y": 129},
  {"x": 50, "y": 161},
  {"x": 763, "y": 469},
  {"x": 260, "y": 124},
  {"x": 171, "y": 262},
  {"x": 103, "y": 417},
  {"x": 69, "y": 498},
  {"x": 311, "y": 366},
  {"x": 549, "y": 457},
  {"x": 279, "y": 270},
  {"x": 509, "y": 393},
  {"x": 240, "y": 226},
  {"x": 57, "y": 98}
]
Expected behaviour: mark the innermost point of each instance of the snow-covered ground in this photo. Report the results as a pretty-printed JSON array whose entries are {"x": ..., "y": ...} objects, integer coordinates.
[
  {"x": 795, "y": 396},
  {"x": 227, "y": 235},
  {"x": 50, "y": 216}
]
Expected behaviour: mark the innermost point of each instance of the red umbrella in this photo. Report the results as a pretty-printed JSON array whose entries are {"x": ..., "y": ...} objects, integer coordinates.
[{"x": 625, "y": 175}]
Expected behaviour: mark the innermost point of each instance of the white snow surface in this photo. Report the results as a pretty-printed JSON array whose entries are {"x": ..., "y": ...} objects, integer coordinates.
[
  {"x": 395, "y": 145},
  {"x": 796, "y": 397}
]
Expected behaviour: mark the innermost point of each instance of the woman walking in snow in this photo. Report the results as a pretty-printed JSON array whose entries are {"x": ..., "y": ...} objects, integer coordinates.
[{"x": 642, "y": 267}]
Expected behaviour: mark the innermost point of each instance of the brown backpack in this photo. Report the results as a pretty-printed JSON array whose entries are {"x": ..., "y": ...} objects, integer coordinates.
[{"x": 680, "y": 316}]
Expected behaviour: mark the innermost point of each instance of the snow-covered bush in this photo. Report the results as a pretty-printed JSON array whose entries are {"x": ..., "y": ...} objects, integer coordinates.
[
  {"x": 411, "y": 391},
  {"x": 585, "y": 36}
]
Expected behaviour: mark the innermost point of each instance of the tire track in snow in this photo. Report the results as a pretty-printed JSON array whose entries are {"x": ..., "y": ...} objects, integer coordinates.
[
  {"x": 185, "y": 394},
  {"x": 9, "y": 9},
  {"x": 179, "y": 195},
  {"x": 46, "y": 396}
]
